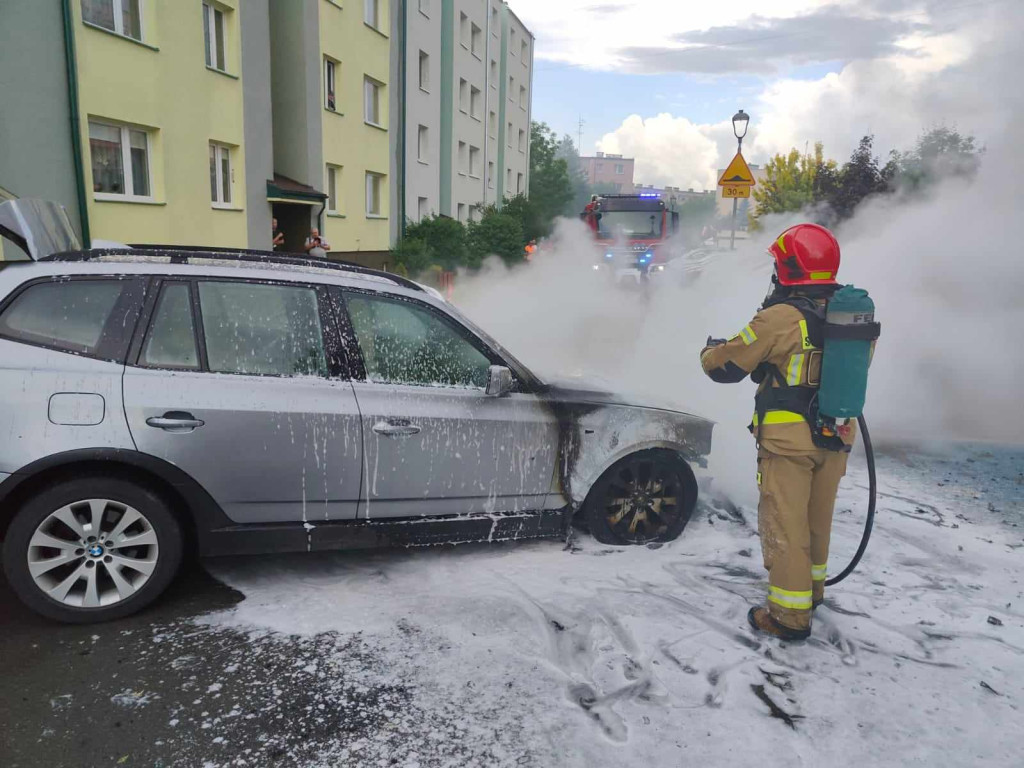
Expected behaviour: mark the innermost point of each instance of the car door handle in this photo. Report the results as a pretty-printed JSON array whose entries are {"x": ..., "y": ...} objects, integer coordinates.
[
  {"x": 395, "y": 428},
  {"x": 175, "y": 421}
]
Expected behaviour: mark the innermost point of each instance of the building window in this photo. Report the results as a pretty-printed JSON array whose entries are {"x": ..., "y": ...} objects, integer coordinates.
[
  {"x": 493, "y": 80},
  {"x": 371, "y": 13},
  {"x": 424, "y": 71},
  {"x": 463, "y": 95},
  {"x": 512, "y": 42},
  {"x": 330, "y": 78},
  {"x": 371, "y": 101},
  {"x": 120, "y": 161},
  {"x": 422, "y": 143},
  {"x": 333, "y": 180},
  {"x": 492, "y": 125},
  {"x": 461, "y": 212},
  {"x": 519, "y": 183},
  {"x": 120, "y": 16},
  {"x": 522, "y": 96},
  {"x": 464, "y": 30},
  {"x": 524, "y": 52},
  {"x": 522, "y": 140},
  {"x": 422, "y": 208},
  {"x": 619, "y": 169},
  {"x": 474, "y": 162},
  {"x": 508, "y": 180},
  {"x": 490, "y": 175},
  {"x": 463, "y": 158},
  {"x": 374, "y": 182},
  {"x": 494, "y": 20},
  {"x": 476, "y": 44},
  {"x": 425, "y": 7},
  {"x": 221, "y": 177},
  {"x": 213, "y": 31},
  {"x": 511, "y": 88},
  {"x": 509, "y": 134},
  {"x": 474, "y": 102}
]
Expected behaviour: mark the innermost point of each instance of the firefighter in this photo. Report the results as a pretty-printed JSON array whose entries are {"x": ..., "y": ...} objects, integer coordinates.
[{"x": 801, "y": 456}]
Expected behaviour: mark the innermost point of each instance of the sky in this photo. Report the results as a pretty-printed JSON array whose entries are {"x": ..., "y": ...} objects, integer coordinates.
[{"x": 659, "y": 80}]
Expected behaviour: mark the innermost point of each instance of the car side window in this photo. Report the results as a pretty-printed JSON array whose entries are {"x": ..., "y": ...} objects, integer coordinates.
[
  {"x": 403, "y": 343},
  {"x": 262, "y": 330},
  {"x": 72, "y": 316},
  {"x": 171, "y": 342}
]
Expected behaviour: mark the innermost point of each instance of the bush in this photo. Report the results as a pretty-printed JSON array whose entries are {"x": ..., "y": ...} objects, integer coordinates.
[{"x": 495, "y": 234}]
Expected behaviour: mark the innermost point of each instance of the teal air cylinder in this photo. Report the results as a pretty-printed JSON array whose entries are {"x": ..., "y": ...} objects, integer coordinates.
[{"x": 850, "y": 328}]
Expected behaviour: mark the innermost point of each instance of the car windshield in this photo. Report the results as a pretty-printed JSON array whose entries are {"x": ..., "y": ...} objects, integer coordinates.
[{"x": 629, "y": 224}]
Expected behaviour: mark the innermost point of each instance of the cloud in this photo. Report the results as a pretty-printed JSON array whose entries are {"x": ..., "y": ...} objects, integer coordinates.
[
  {"x": 759, "y": 44},
  {"x": 960, "y": 78}
]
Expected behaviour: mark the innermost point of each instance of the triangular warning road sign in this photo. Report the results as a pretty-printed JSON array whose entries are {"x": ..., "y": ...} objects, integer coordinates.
[{"x": 738, "y": 172}]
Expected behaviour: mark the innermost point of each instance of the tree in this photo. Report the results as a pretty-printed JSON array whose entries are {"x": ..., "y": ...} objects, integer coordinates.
[
  {"x": 938, "y": 153},
  {"x": 496, "y": 234},
  {"x": 789, "y": 182},
  {"x": 411, "y": 255},
  {"x": 841, "y": 191},
  {"x": 532, "y": 221},
  {"x": 550, "y": 186},
  {"x": 444, "y": 240}
]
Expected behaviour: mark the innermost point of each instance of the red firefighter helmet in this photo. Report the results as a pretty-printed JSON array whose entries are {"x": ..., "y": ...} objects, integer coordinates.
[{"x": 806, "y": 254}]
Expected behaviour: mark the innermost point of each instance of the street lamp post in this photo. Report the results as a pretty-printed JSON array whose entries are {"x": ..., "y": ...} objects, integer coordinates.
[{"x": 739, "y": 129}]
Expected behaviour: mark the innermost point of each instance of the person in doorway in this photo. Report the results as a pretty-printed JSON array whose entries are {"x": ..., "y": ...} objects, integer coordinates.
[
  {"x": 277, "y": 234},
  {"x": 801, "y": 457},
  {"x": 315, "y": 245}
]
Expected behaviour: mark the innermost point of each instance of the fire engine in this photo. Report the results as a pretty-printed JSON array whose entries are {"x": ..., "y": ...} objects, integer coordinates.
[{"x": 631, "y": 233}]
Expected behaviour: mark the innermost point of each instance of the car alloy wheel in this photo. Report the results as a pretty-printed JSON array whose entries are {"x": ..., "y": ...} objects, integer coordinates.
[{"x": 93, "y": 553}]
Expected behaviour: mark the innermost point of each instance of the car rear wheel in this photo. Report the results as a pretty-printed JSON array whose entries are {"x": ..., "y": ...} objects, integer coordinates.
[
  {"x": 92, "y": 549},
  {"x": 648, "y": 496}
]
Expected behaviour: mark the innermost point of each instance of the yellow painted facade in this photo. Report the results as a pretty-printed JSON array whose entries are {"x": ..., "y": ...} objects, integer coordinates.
[
  {"x": 349, "y": 143},
  {"x": 164, "y": 87}
]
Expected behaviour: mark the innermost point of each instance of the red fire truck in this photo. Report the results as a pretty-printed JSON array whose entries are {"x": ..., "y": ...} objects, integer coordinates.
[{"x": 631, "y": 232}]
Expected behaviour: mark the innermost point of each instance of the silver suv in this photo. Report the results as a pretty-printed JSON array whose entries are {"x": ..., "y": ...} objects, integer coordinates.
[{"x": 162, "y": 398}]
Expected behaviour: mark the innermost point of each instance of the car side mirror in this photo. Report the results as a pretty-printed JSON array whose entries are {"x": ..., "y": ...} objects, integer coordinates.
[{"x": 499, "y": 381}]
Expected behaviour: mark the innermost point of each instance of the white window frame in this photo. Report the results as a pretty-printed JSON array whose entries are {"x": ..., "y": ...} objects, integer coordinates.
[
  {"x": 490, "y": 174},
  {"x": 422, "y": 144},
  {"x": 372, "y": 86},
  {"x": 495, "y": 26},
  {"x": 520, "y": 183},
  {"x": 333, "y": 179},
  {"x": 476, "y": 40},
  {"x": 374, "y": 184},
  {"x": 422, "y": 208},
  {"x": 474, "y": 161},
  {"x": 464, "y": 30},
  {"x": 460, "y": 213},
  {"x": 509, "y": 142},
  {"x": 524, "y": 52},
  {"x": 463, "y": 158},
  {"x": 371, "y": 14},
  {"x": 220, "y": 150},
  {"x": 475, "y": 100},
  {"x": 424, "y": 73},
  {"x": 424, "y": 7},
  {"x": 126, "y": 165},
  {"x": 330, "y": 83},
  {"x": 522, "y": 140},
  {"x": 210, "y": 11},
  {"x": 463, "y": 96},
  {"x": 493, "y": 75},
  {"x": 522, "y": 97},
  {"x": 117, "y": 7}
]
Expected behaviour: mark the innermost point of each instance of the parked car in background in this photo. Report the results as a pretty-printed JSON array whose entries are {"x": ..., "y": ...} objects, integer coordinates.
[{"x": 162, "y": 399}]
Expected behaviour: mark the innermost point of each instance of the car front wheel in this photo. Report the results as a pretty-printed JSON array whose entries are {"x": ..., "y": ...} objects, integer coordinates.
[
  {"x": 648, "y": 496},
  {"x": 92, "y": 549}
]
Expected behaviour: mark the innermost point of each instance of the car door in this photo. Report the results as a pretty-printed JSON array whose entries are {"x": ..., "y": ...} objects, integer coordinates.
[
  {"x": 232, "y": 383},
  {"x": 434, "y": 443}
]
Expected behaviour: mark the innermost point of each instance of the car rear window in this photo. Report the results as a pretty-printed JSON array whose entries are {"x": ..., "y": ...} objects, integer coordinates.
[{"x": 70, "y": 315}]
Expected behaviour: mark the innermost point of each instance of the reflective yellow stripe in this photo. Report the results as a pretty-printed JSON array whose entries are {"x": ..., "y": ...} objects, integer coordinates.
[
  {"x": 780, "y": 417},
  {"x": 796, "y": 367},
  {"x": 821, "y": 275},
  {"x": 805, "y": 338},
  {"x": 748, "y": 335},
  {"x": 758, "y": 478},
  {"x": 799, "y": 601},
  {"x": 781, "y": 242},
  {"x": 818, "y": 572}
]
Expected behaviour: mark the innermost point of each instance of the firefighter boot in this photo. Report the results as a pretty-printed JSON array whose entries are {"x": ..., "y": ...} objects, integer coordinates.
[{"x": 762, "y": 622}]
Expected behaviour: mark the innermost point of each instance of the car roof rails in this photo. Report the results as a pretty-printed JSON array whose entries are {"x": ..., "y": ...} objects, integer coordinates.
[{"x": 184, "y": 254}]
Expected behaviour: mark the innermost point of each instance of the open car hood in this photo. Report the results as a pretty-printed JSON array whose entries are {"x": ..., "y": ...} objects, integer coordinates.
[{"x": 39, "y": 227}]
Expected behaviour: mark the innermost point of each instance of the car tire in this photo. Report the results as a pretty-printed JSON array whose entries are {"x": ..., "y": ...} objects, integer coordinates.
[
  {"x": 63, "y": 565},
  {"x": 645, "y": 497}
]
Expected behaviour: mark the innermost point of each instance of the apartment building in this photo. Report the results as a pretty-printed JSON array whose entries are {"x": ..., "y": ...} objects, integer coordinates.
[
  {"x": 198, "y": 121},
  {"x": 467, "y": 67},
  {"x": 609, "y": 171}
]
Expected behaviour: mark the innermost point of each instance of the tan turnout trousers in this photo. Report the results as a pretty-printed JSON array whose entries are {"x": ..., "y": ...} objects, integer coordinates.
[{"x": 798, "y": 481}]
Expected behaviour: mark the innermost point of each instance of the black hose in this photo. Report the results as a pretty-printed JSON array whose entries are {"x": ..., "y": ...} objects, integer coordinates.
[{"x": 869, "y": 453}]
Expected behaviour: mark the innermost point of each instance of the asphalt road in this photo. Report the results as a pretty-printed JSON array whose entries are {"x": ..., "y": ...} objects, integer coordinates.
[{"x": 159, "y": 690}]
